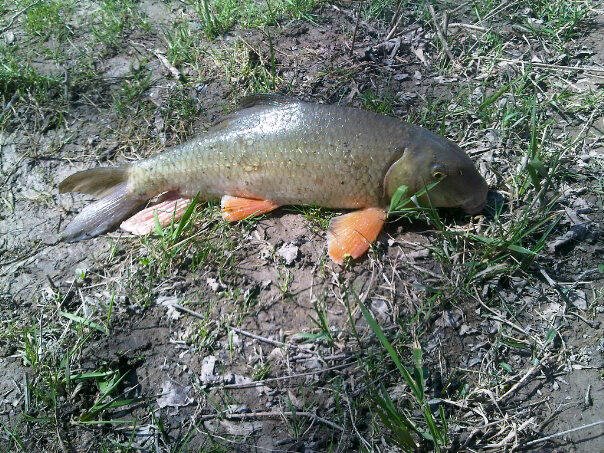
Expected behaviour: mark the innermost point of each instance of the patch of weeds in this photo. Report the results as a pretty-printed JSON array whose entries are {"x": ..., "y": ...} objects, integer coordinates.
[
  {"x": 284, "y": 282},
  {"x": 109, "y": 396},
  {"x": 25, "y": 90},
  {"x": 421, "y": 421},
  {"x": 261, "y": 371},
  {"x": 316, "y": 216},
  {"x": 127, "y": 99},
  {"x": 383, "y": 9},
  {"x": 200, "y": 240},
  {"x": 182, "y": 45},
  {"x": 220, "y": 16},
  {"x": 207, "y": 331},
  {"x": 216, "y": 17},
  {"x": 558, "y": 20},
  {"x": 299, "y": 9},
  {"x": 245, "y": 67},
  {"x": 56, "y": 383},
  {"x": 114, "y": 19},
  {"x": 84, "y": 77},
  {"x": 321, "y": 322},
  {"x": 18, "y": 78},
  {"x": 48, "y": 18},
  {"x": 179, "y": 111},
  {"x": 380, "y": 103}
]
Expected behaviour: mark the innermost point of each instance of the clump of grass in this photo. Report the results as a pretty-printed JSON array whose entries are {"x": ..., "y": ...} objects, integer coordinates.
[
  {"x": 217, "y": 18},
  {"x": 380, "y": 103},
  {"x": 402, "y": 423},
  {"x": 48, "y": 18},
  {"x": 53, "y": 351},
  {"x": 244, "y": 67},
  {"x": 199, "y": 240},
  {"x": 127, "y": 99},
  {"x": 25, "y": 90},
  {"x": 323, "y": 333},
  {"x": 21, "y": 79},
  {"x": 560, "y": 20},
  {"x": 221, "y": 16},
  {"x": 316, "y": 216},
  {"x": 114, "y": 19},
  {"x": 179, "y": 111},
  {"x": 182, "y": 45}
]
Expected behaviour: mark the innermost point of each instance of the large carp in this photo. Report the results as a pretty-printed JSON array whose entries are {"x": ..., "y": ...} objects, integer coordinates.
[{"x": 279, "y": 151}]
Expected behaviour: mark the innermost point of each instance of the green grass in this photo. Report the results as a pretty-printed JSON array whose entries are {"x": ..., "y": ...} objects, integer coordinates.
[
  {"x": 201, "y": 240},
  {"x": 18, "y": 78},
  {"x": 48, "y": 18},
  {"x": 114, "y": 19},
  {"x": 221, "y": 16},
  {"x": 400, "y": 422},
  {"x": 245, "y": 68},
  {"x": 53, "y": 352},
  {"x": 179, "y": 111},
  {"x": 127, "y": 101},
  {"x": 525, "y": 121},
  {"x": 21, "y": 85},
  {"x": 182, "y": 45},
  {"x": 378, "y": 102},
  {"x": 559, "y": 20}
]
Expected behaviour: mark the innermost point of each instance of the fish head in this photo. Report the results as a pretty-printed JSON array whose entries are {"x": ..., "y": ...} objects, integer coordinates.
[{"x": 433, "y": 159}]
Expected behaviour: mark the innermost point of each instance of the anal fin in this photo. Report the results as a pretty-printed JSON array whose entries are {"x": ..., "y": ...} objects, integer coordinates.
[
  {"x": 352, "y": 234},
  {"x": 237, "y": 208},
  {"x": 170, "y": 209}
]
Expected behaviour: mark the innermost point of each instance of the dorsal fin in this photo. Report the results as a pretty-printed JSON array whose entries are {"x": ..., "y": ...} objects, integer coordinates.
[
  {"x": 257, "y": 100},
  {"x": 253, "y": 100}
]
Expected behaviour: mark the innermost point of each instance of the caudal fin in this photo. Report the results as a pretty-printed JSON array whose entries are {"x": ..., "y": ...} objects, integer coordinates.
[{"x": 117, "y": 202}]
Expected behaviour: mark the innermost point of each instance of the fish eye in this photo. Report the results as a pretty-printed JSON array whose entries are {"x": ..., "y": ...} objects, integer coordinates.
[{"x": 438, "y": 172}]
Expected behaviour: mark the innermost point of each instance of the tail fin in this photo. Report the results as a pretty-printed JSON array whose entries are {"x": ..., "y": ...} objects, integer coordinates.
[
  {"x": 96, "y": 181},
  {"x": 117, "y": 201}
]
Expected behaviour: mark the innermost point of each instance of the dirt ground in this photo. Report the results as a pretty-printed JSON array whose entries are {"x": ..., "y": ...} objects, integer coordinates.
[{"x": 271, "y": 351}]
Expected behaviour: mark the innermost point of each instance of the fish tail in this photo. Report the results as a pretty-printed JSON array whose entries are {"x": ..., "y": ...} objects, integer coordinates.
[{"x": 117, "y": 201}]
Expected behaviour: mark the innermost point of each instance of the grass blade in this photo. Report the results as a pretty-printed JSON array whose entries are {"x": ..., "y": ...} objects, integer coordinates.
[{"x": 85, "y": 322}]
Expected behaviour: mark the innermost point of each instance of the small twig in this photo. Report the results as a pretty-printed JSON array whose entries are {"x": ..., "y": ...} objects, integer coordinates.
[
  {"x": 441, "y": 34},
  {"x": 497, "y": 316},
  {"x": 536, "y": 64},
  {"x": 468, "y": 26},
  {"x": 356, "y": 27},
  {"x": 393, "y": 29},
  {"x": 563, "y": 433},
  {"x": 282, "y": 378},
  {"x": 514, "y": 387},
  {"x": 592, "y": 324},
  {"x": 279, "y": 344},
  {"x": 164, "y": 61},
  {"x": 253, "y": 415}
]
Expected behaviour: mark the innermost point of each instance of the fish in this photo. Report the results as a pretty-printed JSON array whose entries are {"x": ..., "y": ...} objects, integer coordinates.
[{"x": 276, "y": 151}]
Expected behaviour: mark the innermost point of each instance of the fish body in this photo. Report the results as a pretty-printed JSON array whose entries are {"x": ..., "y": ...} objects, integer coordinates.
[
  {"x": 277, "y": 151},
  {"x": 290, "y": 153}
]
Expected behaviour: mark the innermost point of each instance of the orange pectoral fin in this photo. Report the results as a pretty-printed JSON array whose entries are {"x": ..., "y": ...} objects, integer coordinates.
[
  {"x": 352, "y": 234},
  {"x": 236, "y": 208},
  {"x": 166, "y": 211}
]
